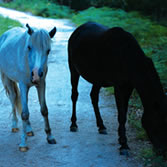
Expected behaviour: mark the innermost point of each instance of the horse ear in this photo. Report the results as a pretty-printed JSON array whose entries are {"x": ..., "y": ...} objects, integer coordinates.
[
  {"x": 52, "y": 32},
  {"x": 30, "y": 30}
]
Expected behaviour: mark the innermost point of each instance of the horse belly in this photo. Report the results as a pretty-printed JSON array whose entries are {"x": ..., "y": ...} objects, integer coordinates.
[{"x": 102, "y": 76}]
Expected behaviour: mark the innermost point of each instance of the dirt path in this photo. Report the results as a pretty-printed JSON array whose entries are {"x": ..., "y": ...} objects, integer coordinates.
[{"x": 86, "y": 148}]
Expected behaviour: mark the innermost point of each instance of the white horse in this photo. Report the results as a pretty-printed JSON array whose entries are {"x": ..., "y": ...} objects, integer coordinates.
[{"x": 23, "y": 60}]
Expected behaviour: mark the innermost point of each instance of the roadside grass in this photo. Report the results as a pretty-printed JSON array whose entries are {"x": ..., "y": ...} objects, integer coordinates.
[
  {"x": 153, "y": 40},
  {"x": 6, "y": 23},
  {"x": 40, "y": 8}
]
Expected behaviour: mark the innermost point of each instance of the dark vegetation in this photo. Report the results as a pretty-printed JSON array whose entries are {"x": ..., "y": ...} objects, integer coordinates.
[
  {"x": 145, "y": 19},
  {"x": 157, "y": 9}
]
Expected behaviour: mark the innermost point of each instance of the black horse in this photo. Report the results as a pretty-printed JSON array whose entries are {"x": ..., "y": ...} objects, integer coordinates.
[{"x": 112, "y": 57}]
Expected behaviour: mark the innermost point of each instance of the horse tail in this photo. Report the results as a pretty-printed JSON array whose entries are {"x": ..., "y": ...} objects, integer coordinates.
[{"x": 12, "y": 91}]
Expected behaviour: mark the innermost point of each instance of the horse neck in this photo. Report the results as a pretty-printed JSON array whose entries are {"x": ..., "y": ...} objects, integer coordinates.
[
  {"x": 22, "y": 52},
  {"x": 150, "y": 88}
]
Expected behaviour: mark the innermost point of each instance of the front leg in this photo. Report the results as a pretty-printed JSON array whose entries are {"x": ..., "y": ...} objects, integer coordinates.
[
  {"x": 44, "y": 111},
  {"x": 24, "y": 115}
]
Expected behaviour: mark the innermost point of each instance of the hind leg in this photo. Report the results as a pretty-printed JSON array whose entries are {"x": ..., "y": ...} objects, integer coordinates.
[
  {"x": 74, "y": 97},
  {"x": 10, "y": 91},
  {"x": 14, "y": 114},
  {"x": 13, "y": 98},
  {"x": 122, "y": 95},
  {"x": 14, "y": 122},
  {"x": 95, "y": 98}
]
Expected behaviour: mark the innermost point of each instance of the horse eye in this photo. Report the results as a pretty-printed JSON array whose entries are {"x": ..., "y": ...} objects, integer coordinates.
[
  {"x": 48, "y": 51},
  {"x": 29, "y": 48}
]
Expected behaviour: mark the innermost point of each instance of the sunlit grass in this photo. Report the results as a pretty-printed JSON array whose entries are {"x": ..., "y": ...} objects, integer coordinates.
[
  {"x": 41, "y": 8},
  {"x": 6, "y": 23}
]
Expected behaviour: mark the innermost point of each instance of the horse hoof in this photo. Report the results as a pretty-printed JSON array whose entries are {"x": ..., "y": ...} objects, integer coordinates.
[
  {"x": 23, "y": 149},
  {"x": 52, "y": 141},
  {"x": 73, "y": 129},
  {"x": 30, "y": 134},
  {"x": 15, "y": 130},
  {"x": 103, "y": 131},
  {"x": 124, "y": 152}
]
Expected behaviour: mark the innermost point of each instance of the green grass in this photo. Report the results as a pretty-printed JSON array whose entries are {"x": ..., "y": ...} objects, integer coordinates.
[
  {"x": 40, "y": 8},
  {"x": 6, "y": 23}
]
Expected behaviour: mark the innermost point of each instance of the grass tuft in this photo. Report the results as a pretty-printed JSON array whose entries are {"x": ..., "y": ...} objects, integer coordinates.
[{"x": 6, "y": 24}]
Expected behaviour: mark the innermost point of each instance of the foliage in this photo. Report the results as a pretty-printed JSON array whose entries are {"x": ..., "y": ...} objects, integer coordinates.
[{"x": 41, "y": 8}]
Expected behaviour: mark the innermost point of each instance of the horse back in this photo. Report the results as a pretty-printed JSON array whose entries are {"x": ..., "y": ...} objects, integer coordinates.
[
  {"x": 11, "y": 52},
  {"x": 104, "y": 55}
]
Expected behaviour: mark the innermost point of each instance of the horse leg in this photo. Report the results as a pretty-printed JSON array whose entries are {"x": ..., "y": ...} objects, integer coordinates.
[
  {"x": 29, "y": 129},
  {"x": 24, "y": 115},
  {"x": 8, "y": 85},
  {"x": 14, "y": 121},
  {"x": 12, "y": 97},
  {"x": 122, "y": 95},
  {"x": 95, "y": 98},
  {"x": 74, "y": 97},
  {"x": 44, "y": 111}
]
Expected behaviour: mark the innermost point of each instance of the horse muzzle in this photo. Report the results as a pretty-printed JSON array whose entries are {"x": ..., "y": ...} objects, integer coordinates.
[{"x": 36, "y": 76}]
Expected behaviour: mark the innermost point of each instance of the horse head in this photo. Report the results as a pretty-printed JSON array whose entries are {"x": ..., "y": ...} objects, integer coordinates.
[
  {"x": 155, "y": 124},
  {"x": 38, "y": 48}
]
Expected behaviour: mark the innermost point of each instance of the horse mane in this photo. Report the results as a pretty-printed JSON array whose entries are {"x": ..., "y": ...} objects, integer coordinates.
[
  {"x": 150, "y": 88},
  {"x": 41, "y": 39},
  {"x": 155, "y": 79}
]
